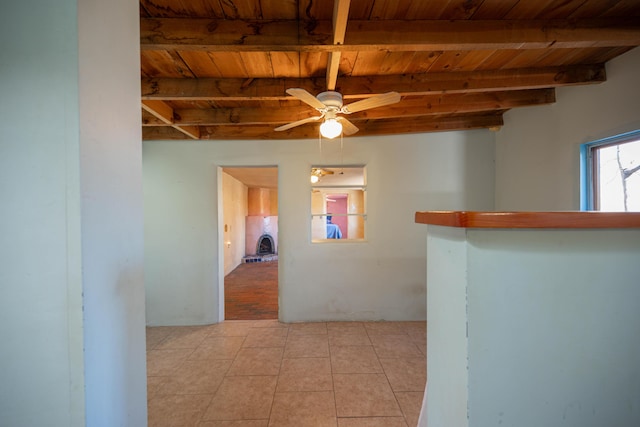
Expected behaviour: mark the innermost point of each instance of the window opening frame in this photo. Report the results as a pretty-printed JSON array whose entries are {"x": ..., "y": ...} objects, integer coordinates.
[
  {"x": 590, "y": 167},
  {"x": 330, "y": 188}
]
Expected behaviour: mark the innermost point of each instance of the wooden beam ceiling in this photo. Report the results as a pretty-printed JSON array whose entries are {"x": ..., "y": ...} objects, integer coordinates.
[
  {"x": 409, "y": 107},
  {"x": 385, "y": 35},
  {"x": 371, "y": 127},
  {"x": 210, "y": 89},
  {"x": 223, "y": 73}
]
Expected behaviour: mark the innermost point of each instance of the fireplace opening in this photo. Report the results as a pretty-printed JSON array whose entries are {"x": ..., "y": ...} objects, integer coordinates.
[{"x": 265, "y": 245}]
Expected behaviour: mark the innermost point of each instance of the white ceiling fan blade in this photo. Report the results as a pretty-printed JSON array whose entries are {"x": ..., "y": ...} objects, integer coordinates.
[
  {"x": 305, "y": 97},
  {"x": 298, "y": 123},
  {"x": 373, "y": 102},
  {"x": 348, "y": 128}
]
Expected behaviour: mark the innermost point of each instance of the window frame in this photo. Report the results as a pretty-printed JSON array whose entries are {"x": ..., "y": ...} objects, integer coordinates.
[
  {"x": 589, "y": 171},
  {"x": 363, "y": 215}
]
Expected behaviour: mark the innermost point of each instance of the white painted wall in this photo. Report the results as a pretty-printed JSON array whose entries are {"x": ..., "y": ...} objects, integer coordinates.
[
  {"x": 235, "y": 205},
  {"x": 71, "y": 216},
  {"x": 112, "y": 230},
  {"x": 537, "y": 150},
  {"x": 447, "y": 349},
  {"x": 541, "y": 328},
  {"x": 383, "y": 278},
  {"x": 41, "y": 306},
  {"x": 553, "y": 319}
]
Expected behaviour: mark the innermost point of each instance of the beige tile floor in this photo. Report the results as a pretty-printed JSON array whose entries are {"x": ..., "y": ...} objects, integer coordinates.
[{"x": 268, "y": 374}]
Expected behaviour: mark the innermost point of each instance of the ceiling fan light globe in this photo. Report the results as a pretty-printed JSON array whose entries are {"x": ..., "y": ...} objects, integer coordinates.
[{"x": 330, "y": 128}]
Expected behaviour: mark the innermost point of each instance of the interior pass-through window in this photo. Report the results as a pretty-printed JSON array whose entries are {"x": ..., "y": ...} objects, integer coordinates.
[{"x": 338, "y": 203}]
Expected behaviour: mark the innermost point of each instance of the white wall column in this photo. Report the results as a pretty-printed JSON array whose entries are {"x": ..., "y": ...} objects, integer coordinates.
[
  {"x": 112, "y": 219},
  {"x": 72, "y": 305},
  {"x": 532, "y": 326}
]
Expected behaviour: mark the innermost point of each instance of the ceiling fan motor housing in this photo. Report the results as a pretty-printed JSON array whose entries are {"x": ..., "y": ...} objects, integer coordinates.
[{"x": 331, "y": 99}]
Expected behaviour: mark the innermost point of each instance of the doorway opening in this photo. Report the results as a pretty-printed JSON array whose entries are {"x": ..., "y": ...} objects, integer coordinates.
[{"x": 250, "y": 240}]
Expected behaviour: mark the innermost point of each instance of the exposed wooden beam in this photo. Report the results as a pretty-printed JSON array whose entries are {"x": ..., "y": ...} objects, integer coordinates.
[
  {"x": 414, "y": 107},
  {"x": 230, "y": 35},
  {"x": 500, "y": 34},
  {"x": 340, "y": 17},
  {"x": 164, "y": 112},
  {"x": 160, "y": 110},
  {"x": 333, "y": 66},
  {"x": 149, "y": 119},
  {"x": 192, "y": 132},
  {"x": 373, "y": 127},
  {"x": 161, "y": 133},
  {"x": 394, "y": 36},
  {"x": 479, "y": 81},
  {"x": 211, "y": 89},
  {"x": 433, "y": 124},
  {"x": 458, "y": 103}
]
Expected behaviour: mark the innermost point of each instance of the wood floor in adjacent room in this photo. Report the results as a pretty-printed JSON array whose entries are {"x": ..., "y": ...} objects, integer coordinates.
[
  {"x": 251, "y": 292},
  {"x": 263, "y": 373}
]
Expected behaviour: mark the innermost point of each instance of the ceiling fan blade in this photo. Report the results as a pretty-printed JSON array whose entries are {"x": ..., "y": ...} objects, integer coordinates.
[
  {"x": 348, "y": 128},
  {"x": 305, "y": 97},
  {"x": 373, "y": 102},
  {"x": 298, "y": 123}
]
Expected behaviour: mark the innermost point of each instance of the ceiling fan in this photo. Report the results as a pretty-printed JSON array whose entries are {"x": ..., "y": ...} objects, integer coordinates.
[
  {"x": 329, "y": 104},
  {"x": 317, "y": 173}
]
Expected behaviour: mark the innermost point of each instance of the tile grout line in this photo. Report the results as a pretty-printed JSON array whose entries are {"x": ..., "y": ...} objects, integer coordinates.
[
  {"x": 395, "y": 397},
  {"x": 213, "y": 395},
  {"x": 275, "y": 389},
  {"x": 333, "y": 385}
]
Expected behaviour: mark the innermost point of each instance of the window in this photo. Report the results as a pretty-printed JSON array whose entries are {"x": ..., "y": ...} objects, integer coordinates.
[
  {"x": 611, "y": 174},
  {"x": 338, "y": 203}
]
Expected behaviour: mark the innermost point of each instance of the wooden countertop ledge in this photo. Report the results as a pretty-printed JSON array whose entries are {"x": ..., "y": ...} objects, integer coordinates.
[{"x": 559, "y": 219}]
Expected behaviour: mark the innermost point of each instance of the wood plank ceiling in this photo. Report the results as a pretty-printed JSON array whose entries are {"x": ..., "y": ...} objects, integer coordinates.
[{"x": 219, "y": 69}]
